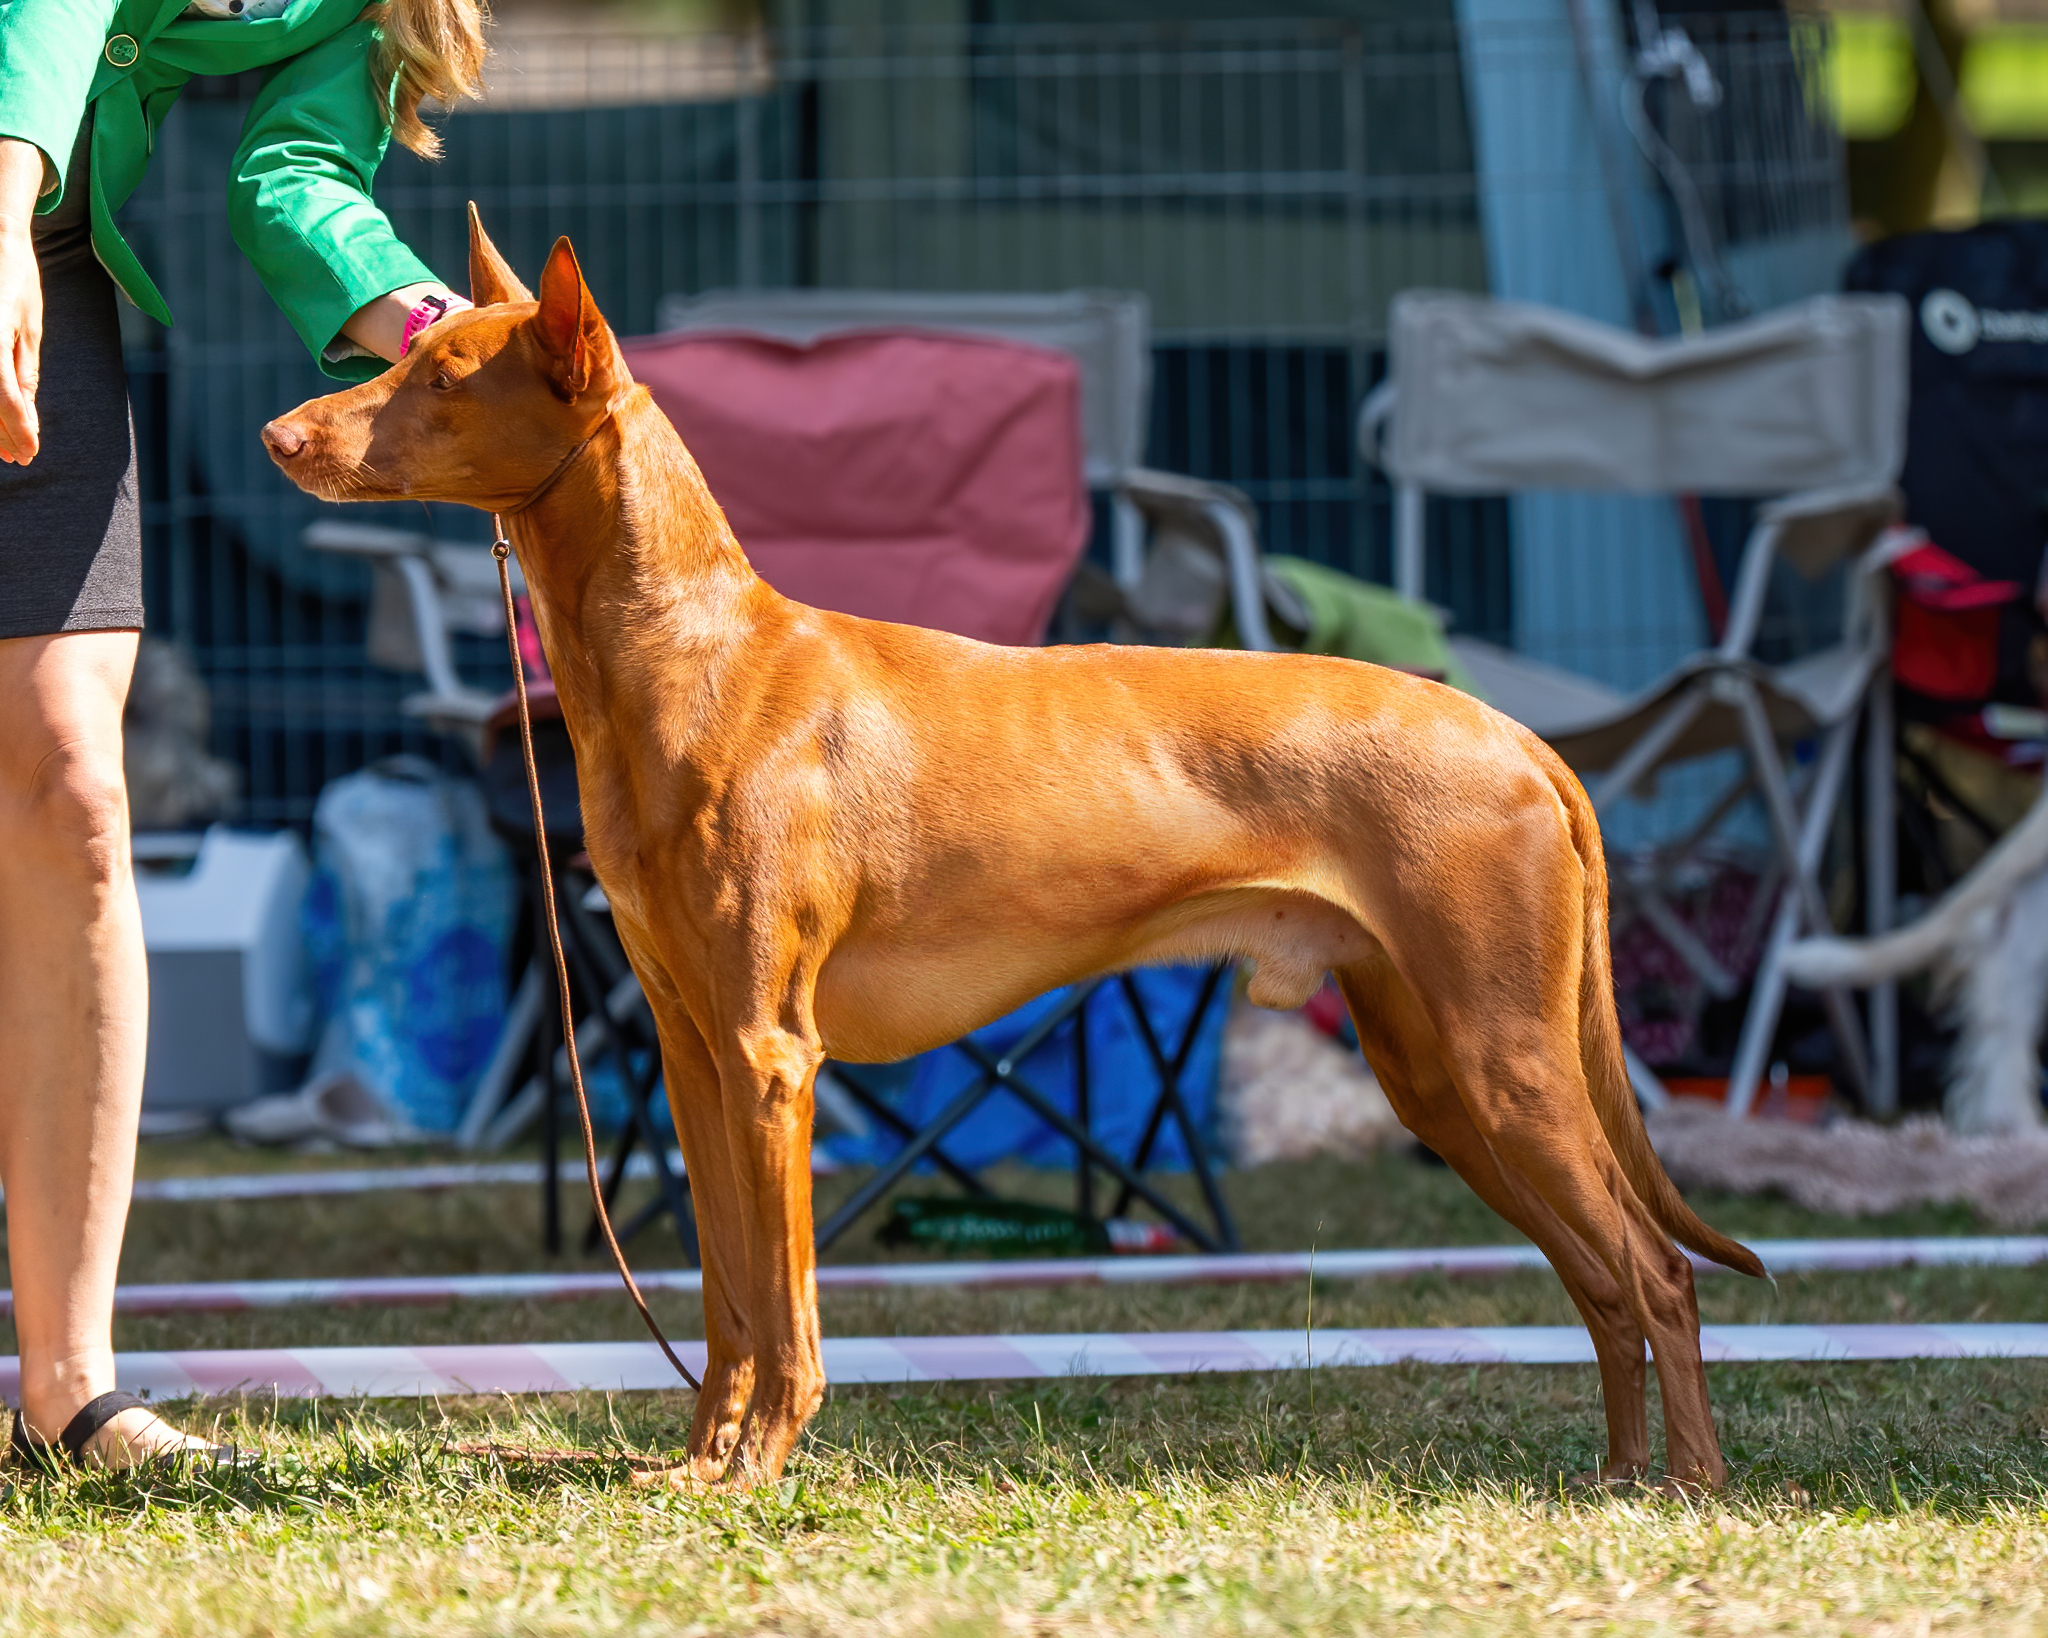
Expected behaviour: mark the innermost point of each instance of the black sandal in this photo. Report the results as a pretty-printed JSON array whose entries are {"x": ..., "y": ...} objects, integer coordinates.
[{"x": 24, "y": 1449}]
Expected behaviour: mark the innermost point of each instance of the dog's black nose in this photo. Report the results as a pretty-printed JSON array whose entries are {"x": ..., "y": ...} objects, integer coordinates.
[{"x": 283, "y": 440}]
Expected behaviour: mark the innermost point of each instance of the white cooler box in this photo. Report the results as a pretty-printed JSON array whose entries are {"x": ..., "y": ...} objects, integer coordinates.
[{"x": 230, "y": 1001}]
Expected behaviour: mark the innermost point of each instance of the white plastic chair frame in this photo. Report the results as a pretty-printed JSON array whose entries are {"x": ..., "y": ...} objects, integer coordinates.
[{"x": 433, "y": 580}]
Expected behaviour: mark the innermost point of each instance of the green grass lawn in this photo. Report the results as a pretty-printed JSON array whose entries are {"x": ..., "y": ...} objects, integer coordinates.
[{"x": 1873, "y": 1498}]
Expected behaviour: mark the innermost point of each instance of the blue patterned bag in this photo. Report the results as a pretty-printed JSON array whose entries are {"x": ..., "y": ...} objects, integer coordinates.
[{"x": 408, "y": 921}]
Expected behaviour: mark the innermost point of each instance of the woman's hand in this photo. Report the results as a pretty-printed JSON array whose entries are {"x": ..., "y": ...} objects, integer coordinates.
[
  {"x": 21, "y": 301},
  {"x": 380, "y": 325}
]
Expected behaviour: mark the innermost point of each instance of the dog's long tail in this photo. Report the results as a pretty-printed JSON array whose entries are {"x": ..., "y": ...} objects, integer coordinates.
[
  {"x": 1614, "y": 1099},
  {"x": 2021, "y": 853}
]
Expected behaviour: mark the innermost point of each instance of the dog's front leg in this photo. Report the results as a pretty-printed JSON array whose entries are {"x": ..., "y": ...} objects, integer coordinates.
[
  {"x": 765, "y": 1076},
  {"x": 695, "y": 1100}
]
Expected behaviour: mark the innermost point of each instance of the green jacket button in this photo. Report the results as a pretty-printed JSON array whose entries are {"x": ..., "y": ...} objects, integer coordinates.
[{"x": 122, "y": 51}]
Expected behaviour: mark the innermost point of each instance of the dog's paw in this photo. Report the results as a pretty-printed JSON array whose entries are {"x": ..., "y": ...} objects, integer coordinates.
[
  {"x": 1690, "y": 1486},
  {"x": 1614, "y": 1476},
  {"x": 678, "y": 1478}
]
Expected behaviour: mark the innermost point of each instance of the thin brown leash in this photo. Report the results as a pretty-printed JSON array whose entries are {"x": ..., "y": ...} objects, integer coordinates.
[{"x": 501, "y": 549}]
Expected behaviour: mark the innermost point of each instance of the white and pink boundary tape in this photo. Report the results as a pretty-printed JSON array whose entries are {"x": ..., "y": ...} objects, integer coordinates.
[
  {"x": 567, "y": 1367},
  {"x": 1780, "y": 1257},
  {"x": 371, "y": 1180}
]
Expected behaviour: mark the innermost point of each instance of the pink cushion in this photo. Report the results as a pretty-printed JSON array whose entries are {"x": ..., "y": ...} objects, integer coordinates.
[{"x": 930, "y": 479}]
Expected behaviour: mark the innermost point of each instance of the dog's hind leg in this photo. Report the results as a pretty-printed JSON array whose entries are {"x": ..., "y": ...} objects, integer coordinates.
[
  {"x": 1408, "y": 1060},
  {"x": 1513, "y": 1057},
  {"x": 1493, "y": 944},
  {"x": 695, "y": 1100}
]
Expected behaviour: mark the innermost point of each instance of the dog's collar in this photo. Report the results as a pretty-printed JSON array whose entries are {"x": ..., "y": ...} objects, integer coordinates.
[{"x": 563, "y": 464}]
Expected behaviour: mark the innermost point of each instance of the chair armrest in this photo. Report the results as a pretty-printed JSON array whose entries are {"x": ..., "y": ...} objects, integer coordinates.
[
  {"x": 1813, "y": 531},
  {"x": 1156, "y": 491},
  {"x": 1373, "y": 415},
  {"x": 1227, "y": 517},
  {"x": 467, "y": 707},
  {"x": 364, "y": 540},
  {"x": 1819, "y": 528},
  {"x": 417, "y": 564},
  {"x": 464, "y": 715}
]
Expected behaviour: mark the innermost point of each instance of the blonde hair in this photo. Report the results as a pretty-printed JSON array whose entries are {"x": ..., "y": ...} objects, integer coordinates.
[{"x": 431, "y": 48}]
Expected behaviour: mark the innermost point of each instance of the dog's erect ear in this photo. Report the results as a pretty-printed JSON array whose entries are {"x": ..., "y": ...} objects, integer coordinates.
[
  {"x": 571, "y": 330},
  {"x": 491, "y": 279}
]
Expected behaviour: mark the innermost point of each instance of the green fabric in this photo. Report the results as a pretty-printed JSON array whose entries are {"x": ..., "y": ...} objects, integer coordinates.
[
  {"x": 1362, "y": 621},
  {"x": 299, "y": 193}
]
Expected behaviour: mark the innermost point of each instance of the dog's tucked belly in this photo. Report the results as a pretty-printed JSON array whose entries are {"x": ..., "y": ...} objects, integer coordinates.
[{"x": 877, "y": 1001}]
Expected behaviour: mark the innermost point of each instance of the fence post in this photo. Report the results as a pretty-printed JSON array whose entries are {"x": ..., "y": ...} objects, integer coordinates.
[{"x": 747, "y": 201}]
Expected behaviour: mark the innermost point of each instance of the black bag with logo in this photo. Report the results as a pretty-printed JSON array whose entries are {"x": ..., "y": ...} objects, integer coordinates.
[{"x": 1976, "y": 474}]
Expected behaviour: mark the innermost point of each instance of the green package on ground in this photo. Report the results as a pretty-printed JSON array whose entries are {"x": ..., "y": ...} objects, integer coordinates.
[{"x": 992, "y": 1228}]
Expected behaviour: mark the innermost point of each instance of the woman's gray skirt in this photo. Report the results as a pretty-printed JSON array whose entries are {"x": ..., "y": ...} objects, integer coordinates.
[{"x": 71, "y": 521}]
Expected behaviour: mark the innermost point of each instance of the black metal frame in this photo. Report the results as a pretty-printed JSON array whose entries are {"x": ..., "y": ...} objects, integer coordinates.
[
  {"x": 1000, "y": 1074},
  {"x": 598, "y": 968}
]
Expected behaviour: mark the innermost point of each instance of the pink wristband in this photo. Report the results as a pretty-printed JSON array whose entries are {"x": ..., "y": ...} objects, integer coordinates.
[{"x": 430, "y": 310}]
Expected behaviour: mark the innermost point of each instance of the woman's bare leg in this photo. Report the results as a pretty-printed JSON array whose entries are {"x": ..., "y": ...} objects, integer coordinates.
[{"x": 74, "y": 1009}]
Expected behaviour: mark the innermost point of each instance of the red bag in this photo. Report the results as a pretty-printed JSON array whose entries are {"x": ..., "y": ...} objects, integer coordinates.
[{"x": 1945, "y": 644}]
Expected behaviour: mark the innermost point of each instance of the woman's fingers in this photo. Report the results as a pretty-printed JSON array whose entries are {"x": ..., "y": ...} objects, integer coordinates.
[
  {"x": 21, "y": 347},
  {"x": 21, "y": 361},
  {"x": 17, "y": 398},
  {"x": 20, "y": 429}
]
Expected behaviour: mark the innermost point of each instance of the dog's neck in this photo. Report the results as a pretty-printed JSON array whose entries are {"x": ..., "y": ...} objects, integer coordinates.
[{"x": 640, "y": 590}]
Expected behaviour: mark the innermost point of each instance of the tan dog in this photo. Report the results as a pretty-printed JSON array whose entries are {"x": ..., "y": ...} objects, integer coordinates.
[{"x": 826, "y": 835}]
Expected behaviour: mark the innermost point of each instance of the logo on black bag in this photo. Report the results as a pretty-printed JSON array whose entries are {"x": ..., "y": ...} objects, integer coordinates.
[
  {"x": 1955, "y": 324},
  {"x": 1950, "y": 320}
]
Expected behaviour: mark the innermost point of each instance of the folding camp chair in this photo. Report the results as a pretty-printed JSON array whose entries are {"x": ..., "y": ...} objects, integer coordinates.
[
  {"x": 1001, "y": 1072},
  {"x": 1806, "y": 405},
  {"x": 1166, "y": 529},
  {"x": 805, "y": 447}
]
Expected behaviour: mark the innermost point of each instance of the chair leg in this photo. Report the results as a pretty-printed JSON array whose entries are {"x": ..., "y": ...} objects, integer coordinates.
[
  {"x": 1000, "y": 1074},
  {"x": 1881, "y": 877},
  {"x": 1171, "y": 1102},
  {"x": 1648, "y": 751},
  {"x": 1801, "y": 903},
  {"x": 626, "y": 1022},
  {"x": 1801, "y": 853},
  {"x": 495, "y": 1085},
  {"x": 550, "y": 1126},
  {"x": 1084, "y": 1173},
  {"x": 904, "y": 1130},
  {"x": 886, "y": 1178},
  {"x": 1647, "y": 902},
  {"x": 1766, "y": 1006},
  {"x": 1060, "y": 1121},
  {"x": 1411, "y": 570},
  {"x": 926, "y": 1141}
]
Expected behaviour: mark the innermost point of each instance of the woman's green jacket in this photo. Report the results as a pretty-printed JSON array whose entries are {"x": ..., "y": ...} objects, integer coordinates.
[{"x": 299, "y": 192}]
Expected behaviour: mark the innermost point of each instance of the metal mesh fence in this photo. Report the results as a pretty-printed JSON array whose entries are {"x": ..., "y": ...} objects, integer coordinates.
[{"x": 1269, "y": 186}]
